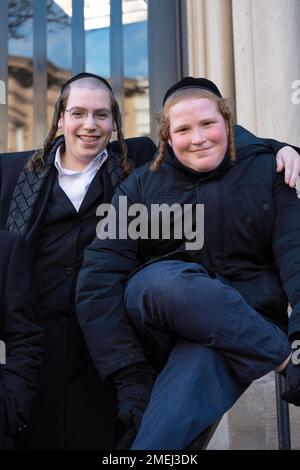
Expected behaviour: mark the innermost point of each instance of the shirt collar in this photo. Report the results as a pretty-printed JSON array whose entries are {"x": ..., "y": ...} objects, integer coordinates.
[{"x": 95, "y": 163}]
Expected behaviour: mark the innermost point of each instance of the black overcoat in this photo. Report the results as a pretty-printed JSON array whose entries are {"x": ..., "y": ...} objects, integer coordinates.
[
  {"x": 73, "y": 409},
  {"x": 20, "y": 335}
]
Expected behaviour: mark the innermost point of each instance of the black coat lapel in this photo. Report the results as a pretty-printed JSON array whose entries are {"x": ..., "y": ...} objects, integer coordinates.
[
  {"x": 106, "y": 180},
  {"x": 40, "y": 208},
  {"x": 95, "y": 191},
  {"x": 61, "y": 197}
]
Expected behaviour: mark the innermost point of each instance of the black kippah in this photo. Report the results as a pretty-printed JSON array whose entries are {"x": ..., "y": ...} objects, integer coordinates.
[
  {"x": 191, "y": 82},
  {"x": 86, "y": 74}
]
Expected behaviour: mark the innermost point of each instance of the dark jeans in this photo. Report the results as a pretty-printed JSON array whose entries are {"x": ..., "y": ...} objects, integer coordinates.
[{"x": 213, "y": 342}]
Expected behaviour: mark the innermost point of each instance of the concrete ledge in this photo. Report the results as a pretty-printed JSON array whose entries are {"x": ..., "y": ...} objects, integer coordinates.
[{"x": 251, "y": 423}]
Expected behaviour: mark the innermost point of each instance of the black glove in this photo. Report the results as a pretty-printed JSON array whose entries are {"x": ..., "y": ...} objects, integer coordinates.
[
  {"x": 292, "y": 393},
  {"x": 133, "y": 385}
]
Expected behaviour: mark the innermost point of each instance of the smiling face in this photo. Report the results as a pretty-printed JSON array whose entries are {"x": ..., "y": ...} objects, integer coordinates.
[
  {"x": 85, "y": 139},
  {"x": 198, "y": 133}
]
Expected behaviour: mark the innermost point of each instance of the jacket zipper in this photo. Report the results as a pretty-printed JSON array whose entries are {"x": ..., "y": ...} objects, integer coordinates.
[{"x": 221, "y": 215}]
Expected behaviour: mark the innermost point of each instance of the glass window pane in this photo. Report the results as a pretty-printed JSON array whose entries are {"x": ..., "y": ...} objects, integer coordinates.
[
  {"x": 136, "y": 86},
  {"x": 59, "y": 58},
  {"x": 59, "y": 50},
  {"x": 96, "y": 25},
  {"x": 20, "y": 91}
]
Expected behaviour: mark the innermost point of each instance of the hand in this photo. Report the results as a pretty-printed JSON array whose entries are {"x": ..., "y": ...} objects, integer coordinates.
[
  {"x": 134, "y": 385},
  {"x": 288, "y": 159}
]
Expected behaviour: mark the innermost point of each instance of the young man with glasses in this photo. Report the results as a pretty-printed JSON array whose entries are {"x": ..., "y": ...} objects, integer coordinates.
[{"x": 51, "y": 196}]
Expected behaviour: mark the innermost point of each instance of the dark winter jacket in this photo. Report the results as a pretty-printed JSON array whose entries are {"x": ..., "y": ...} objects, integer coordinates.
[
  {"x": 73, "y": 408},
  {"x": 21, "y": 338},
  {"x": 251, "y": 242}
]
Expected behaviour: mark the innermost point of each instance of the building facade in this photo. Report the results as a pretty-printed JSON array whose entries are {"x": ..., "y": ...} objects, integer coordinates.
[{"x": 250, "y": 48}]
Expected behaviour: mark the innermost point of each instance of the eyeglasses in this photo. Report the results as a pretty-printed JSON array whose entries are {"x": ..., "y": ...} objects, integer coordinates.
[{"x": 80, "y": 114}]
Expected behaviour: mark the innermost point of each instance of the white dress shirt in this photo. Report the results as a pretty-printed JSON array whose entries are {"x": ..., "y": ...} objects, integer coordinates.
[{"x": 76, "y": 183}]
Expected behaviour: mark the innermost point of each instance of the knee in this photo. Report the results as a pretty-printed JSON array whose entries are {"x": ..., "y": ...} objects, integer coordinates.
[{"x": 151, "y": 282}]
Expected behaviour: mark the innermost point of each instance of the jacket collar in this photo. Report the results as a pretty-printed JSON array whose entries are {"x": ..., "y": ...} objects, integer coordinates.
[
  {"x": 224, "y": 166},
  {"x": 31, "y": 183}
]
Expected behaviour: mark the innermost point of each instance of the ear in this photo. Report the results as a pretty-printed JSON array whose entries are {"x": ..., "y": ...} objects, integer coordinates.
[
  {"x": 170, "y": 142},
  {"x": 60, "y": 123},
  {"x": 114, "y": 127}
]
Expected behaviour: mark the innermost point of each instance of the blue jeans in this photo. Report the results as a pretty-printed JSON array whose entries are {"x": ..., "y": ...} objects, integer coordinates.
[{"x": 211, "y": 342}]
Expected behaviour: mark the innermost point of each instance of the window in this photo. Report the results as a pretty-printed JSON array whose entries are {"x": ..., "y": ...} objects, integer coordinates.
[{"x": 37, "y": 68}]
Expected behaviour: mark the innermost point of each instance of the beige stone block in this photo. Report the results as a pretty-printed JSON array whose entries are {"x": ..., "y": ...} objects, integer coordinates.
[{"x": 252, "y": 421}]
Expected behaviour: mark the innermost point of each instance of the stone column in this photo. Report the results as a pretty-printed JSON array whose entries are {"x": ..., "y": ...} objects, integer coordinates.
[
  {"x": 210, "y": 42},
  {"x": 266, "y": 42},
  {"x": 244, "y": 63}
]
